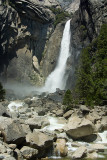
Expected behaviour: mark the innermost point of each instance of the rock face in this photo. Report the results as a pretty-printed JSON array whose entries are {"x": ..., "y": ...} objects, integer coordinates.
[
  {"x": 73, "y": 7},
  {"x": 86, "y": 23},
  {"x": 78, "y": 128},
  {"x": 49, "y": 60},
  {"x": 28, "y": 24}
]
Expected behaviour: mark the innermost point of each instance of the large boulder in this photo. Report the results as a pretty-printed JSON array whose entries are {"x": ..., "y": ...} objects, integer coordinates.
[
  {"x": 68, "y": 114},
  {"x": 11, "y": 130},
  {"x": 79, "y": 127},
  {"x": 40, "y": 141},
  {"x": 29, "y": 152},
  {"x": 37, "y": 122}
]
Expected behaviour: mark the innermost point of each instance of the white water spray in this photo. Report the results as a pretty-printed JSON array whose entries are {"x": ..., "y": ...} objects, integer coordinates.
[{"x": 57, "y": 78}]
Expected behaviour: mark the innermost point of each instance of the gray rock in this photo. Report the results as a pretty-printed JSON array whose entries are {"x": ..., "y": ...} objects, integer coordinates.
[
  {"x": 12, "y": 131},
  {"x": 79, "y": 153},
  {"x": 12, "y": 146},
  {"x": 37, "y": 122},
  {"x": 68, "y": 114},
  {"x": 18, "y": 154},
  {"x": 78, "y": 128},
  {"x": 26, "y": 128},
  {"x": 73, "y": 7},
  {"x": 59, "y": 113},
  {"x": 3, "y": 149},
  {"x": 84, "y": 109},
  {"x": 98, "y": 147},
  {"x": 3, "y": 111},
  {"x": 93, "y": 117},
  {"x": 28, "y": 152},
  {"x": 40, "y": 141},
  {"x": 104, "y": 123}
]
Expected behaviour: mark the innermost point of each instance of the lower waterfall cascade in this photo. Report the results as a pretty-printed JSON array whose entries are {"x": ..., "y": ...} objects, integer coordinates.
[{"x": 57, "y": 78}]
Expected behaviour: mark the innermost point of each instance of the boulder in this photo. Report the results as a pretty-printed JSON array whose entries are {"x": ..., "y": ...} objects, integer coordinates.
[
  {"x": 61, "y": 148},
  {"x": 18, "y": 154},
  {"x": 91, "y": 138},
  {"x": 12, "y": 146},
  {"x": 12, "y": 131},
  {"x": 2, "y": 148},
  {"x": 33, "y": 123},
  {"x": 26, "y": 128},
  {"x": 84, "y": 109},
  {"x": 28, "y": 152},
  {"x": 39, "y": 140},
  {"x": 37, "y": 122},
  {"x": 6, "y": 157},
  {"x": 79, "y": 153},
  {"x": 93, "y": 117},
  {"x": 68, "y": 114},
  {"x": 92, "y": 155},
  {"x": 98, "y": 147},
  {"x": 3, "y": 111},
  {"x": 59, "y": 113},
  {"x": 79, "y": 127}
]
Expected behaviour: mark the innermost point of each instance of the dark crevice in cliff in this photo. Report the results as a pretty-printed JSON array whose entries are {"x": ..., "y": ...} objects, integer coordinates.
[{"x": 86, "y": 6}]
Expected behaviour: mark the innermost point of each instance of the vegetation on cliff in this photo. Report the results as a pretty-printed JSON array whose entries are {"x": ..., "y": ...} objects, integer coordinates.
[
  {"x": 60, "y": 15},
  {"x": 91, "y": 86},
  {"x": 2, "y": 92}
]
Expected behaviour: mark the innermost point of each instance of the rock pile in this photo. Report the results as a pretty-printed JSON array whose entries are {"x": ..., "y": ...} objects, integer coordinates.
[{"x": 25, "y": 132}]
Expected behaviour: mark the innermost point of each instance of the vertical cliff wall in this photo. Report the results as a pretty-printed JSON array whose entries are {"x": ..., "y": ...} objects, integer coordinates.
[
  {"x": 85, "y": 26},
  {"x": 25, "y": 27}
]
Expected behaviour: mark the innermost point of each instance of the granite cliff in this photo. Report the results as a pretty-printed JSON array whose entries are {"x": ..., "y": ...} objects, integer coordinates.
[
  {"x": 25, "y": 28},
  {"x": 85, "y": 27},
  {"x": 30, "y": 44}
]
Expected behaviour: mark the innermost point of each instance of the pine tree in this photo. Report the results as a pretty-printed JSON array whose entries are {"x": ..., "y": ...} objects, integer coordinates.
[{"x": 92, "y": 72}]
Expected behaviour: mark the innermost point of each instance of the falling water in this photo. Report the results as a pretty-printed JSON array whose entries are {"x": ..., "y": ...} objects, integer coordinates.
[{"x": 57, "y": 78}]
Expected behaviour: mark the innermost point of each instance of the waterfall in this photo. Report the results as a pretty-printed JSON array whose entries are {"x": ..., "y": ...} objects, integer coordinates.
[{"x": 57, "y": 78}]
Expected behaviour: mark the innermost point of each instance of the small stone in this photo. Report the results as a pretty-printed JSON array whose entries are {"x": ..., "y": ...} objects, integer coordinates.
[{"x": 12, "y": 146}]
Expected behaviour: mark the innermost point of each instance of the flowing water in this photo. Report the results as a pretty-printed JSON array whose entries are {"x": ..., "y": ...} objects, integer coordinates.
[
  {"x": 57, "y": 78},
  {"x": 14, "y": 105}
]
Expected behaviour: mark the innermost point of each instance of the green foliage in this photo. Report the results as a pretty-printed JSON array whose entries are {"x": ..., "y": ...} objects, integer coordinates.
[
  {"x": 2, "y": 92},
  {"x": 92, "y": 72},
  {"x": 60, "y": 15},
  {"x": 67, "y": 100}
]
